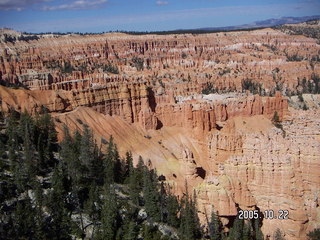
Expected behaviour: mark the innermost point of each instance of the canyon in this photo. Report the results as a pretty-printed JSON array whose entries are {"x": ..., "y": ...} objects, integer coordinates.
[{"x": 181, "y": 102}]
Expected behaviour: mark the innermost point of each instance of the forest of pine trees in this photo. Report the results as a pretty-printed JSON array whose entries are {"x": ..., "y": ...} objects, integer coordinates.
[
  {"x": 79, "y": 190},
  {"x": 76, "y": 189}
]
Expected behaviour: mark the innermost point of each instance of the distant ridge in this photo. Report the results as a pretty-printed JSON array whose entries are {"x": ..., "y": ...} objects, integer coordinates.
[
  {"x": 272, "y": 22},
  {"x": 262, "y": 24}
]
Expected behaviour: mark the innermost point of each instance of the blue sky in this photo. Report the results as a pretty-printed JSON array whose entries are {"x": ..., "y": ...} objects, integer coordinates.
[{"x": 143, "y": 15}]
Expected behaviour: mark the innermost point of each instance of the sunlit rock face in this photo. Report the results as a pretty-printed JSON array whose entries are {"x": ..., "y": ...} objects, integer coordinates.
[{"x": 223, "y": 146}]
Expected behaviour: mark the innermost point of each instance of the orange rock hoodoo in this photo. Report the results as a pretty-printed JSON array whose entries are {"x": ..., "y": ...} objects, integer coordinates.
[{"x": 223, "y": 145}]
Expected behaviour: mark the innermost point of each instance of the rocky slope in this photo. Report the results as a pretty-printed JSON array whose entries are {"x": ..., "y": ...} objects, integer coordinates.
[{"x": 223, "y": 145}]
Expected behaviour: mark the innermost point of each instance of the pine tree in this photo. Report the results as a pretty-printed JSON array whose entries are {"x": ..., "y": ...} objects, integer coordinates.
[
  {"x": 247, "y": 231},
  {"x": 24, "y": 218},
  {"x": 109, "y": 214},
  {"x": 13, "y": 142},
  {"x": 39, "y": 219},
  {"x": 190, "y": 224},
  {"x": 60, "y": 224},
  {"x": 314, "y": 234},
  {"x": 140, "y": 170},
  {"x": 172, "y": 210},
  {"x": 70, "y": 151},
  {"x": 257, "y": 229},
  {"x": 93, "y": 206},
  {"x": 151, "y": 195},
  {"x": 128, "y": 171},
  {"x": 109, "y": 162},
  {"x": 236, "y": 232},
  {"x": 87, "y": 158},
  {"x": 29, "y": 154},
  {"x": 45, "y": 140},
  {"x": 119, "y": 170},
  {"x": 132, "y": 231},
  {"x": 215, "y": 227}
]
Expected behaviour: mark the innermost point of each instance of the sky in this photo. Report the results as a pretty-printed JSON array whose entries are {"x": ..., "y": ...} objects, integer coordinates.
[{"x": 144, "y": 15}]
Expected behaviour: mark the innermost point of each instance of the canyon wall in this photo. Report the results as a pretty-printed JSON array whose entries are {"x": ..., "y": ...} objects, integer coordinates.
[
  {"x": 146, "y": 91},
  {"x": 183, "y": 63}
]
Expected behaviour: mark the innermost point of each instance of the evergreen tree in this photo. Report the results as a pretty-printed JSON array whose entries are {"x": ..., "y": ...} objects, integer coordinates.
[
  {"x": 247, "y": 231},
  {"x": 314, "y": 235},
  {"x": 93, "y": 206},
  {"x": 24, "y": 219},
  {"x": 132, "y": 231},
  {"x": 190, "y": 224},
  {"x": 140, "y": 170},
  {"x": 45, "y": 140},
  {"x": 172, "y": 210},
  {"x": 236, "y": 232},
  {"x": 29, "y": 155},
  {"x": 109, "y": 215},
  {"x": 119, "y": 169},
  {"x": 257, "y": 229},
  {"x": 215, "y": 227},
  {"x": 151, "y": 233},
  {"x": 39, "y": 219},
  {"x": 109, "y": 162},
  {"x": 60, "y": 224},
  {"x": 128, "y": 169},
  {"x": 151, "y": 195},
  {"x": 13, "y": 142},
  {"x": 88, "y": 158}
]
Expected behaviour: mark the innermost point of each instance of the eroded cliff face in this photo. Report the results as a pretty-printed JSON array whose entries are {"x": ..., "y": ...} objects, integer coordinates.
[
  {"x": 184, "y": 63},
  {"x": 260, "y": 166},
  {"x": 223, "y": 145}
]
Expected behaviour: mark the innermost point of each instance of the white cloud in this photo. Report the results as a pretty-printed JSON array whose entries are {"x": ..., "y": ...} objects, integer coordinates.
[
  {"x": 162, "y": 3},
  {"x": 76, "y": 5},
  {"x": 18, "y": 4}
]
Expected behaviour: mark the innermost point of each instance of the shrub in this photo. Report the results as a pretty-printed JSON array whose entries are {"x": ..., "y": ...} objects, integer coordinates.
[
  {"x": 137, "y": 63},
  {"x": 253, "y": 87},
  {"x": 314, "y": 235},
  {"x": 111, "y": 68},
  {"x": 209, "y": 89}
]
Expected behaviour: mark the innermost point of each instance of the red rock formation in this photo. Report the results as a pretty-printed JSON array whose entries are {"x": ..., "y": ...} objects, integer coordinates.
[{"x": 224, "y": 145}]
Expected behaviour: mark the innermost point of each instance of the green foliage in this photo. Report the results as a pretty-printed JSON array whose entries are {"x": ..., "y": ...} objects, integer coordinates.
[
  {"x": 215, "y": 227},
  {"x": 151, "y": 195},
  {"x": 151, "y": 233},
  {"x": 209, "y": 89},
  {"x": 189, "y": 224},
  {"x": 79, "y": 187},
  {"x": 309, "y": 86},
  {"x": 247, "y": 231},
  {"x": 314, "y": 235},
  {"x": 111, "y": 68},
  {"x": 257, "y": 230},
  {"x": 172, "y": 210},
  {"x": 24, "y": 218},
  {"x": 184, "y": 55},
  {"x": 137, "y": 63},
  {"x": 236, "y": 232},
  {"x": 60, "y": 227},
  {"x": 67, "y": 68},
  {"x": 253, "y": 87},
  {"x": 109, "y": 214},
  {"x": 136, "y": 182},
  {"x": 108, "y": 162}
]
